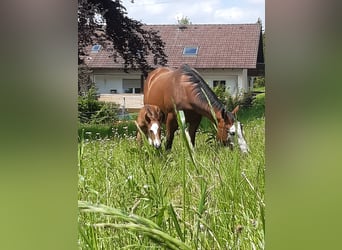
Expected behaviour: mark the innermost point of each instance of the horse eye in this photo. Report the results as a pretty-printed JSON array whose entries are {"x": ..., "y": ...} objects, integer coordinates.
[{"x": 232, "y": 133}]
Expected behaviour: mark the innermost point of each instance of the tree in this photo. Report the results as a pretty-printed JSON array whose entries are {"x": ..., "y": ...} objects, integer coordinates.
[
  {"x": 260, "y": 80},
  {"x": 259, "y": 21},
  {"x": 105, "y": 22},
  {"x": 184, "y": 20},
  {"x": 84, "y": 80}
]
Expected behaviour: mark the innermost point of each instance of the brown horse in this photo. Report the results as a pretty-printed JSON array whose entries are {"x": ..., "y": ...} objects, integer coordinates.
[
  {"x": 186, "y": 89},
  {"x": 149, "y": 121}
]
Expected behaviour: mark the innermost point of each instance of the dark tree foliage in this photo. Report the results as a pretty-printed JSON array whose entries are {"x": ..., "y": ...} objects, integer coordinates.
[
  {"x": 84, "y": 81},
  {"x": 138, "y": 47}
]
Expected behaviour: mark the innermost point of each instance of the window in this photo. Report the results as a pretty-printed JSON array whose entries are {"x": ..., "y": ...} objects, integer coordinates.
[
  {"x": 131, "y": 86},
  {"x": 219, "y": 82},
  {"x": 190, "y": 51},
  {"x": 96, "y": 48},
  {"x": 132, "y": 91},
  {"x": 128, "y": 91}
]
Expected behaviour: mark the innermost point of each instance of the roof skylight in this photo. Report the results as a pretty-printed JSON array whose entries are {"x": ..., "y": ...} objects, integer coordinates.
[
  {"x": 96, "y": 48},
  {"x": 190, "y": 51}
]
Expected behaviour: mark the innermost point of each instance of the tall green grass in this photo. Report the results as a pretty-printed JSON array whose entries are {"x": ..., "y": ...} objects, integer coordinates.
[
  {"x": 132, "y": 196},
  {"x": 103, "y": 131}
]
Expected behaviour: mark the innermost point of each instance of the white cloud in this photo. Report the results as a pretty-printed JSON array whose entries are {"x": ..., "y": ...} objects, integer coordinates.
[
  {"x": 207, "y": 6},
  {"x": 233, "y": 14},
  {"x": 197, "y": 11},
  {"x": 144, "y": 8},
  {"x": 237, "y": 15},
  {"x": 259, "y": 2},
  {"x": 200, "y": 11},
  {"x": 179, "y": 16}
]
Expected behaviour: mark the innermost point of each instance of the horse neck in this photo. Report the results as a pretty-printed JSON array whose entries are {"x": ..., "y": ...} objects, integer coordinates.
[
  {"x": 212, "y": 110},
  {"x": 212, "y": 114}
]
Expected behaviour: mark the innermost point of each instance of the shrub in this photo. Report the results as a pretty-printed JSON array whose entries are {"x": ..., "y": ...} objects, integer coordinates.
[
  {"x": 222, "y": 94},
  {"x": 259, "y": 101},
  {"x": 107, "y": 114},
  {"x": 259, "y": 82},
  {"x": 90, "y": 110},
  {"x": 244, "y": 99}
]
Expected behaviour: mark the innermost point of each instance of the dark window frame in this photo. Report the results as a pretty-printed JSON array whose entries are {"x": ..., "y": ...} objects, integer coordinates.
[{"x": 219, "y": 82}]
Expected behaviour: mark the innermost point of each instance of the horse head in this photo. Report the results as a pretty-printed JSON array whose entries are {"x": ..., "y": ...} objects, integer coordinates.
[
  {"x": 225, "y": 128},
  {"x": 154, "y": 117}
]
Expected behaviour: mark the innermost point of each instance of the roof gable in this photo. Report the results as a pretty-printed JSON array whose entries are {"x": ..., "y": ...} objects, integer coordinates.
[{"x": 219, "y": 46}]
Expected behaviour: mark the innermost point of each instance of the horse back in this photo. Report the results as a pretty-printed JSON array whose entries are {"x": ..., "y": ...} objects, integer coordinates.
[
  {"x": 153, "y": 76},
  {"x": 156, "y": 87},
  {"x": 165, "y": 87}
]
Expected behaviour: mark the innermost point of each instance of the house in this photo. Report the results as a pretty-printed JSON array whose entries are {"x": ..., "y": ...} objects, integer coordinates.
[{"x": 226, "y": 54}]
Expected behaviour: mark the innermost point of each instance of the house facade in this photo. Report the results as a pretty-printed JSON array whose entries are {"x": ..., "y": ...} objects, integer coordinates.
[{"x": 224, "y": 54}]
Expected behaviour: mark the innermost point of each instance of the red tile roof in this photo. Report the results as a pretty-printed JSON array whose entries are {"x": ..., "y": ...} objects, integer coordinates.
[{"x": 219, "y": 46}]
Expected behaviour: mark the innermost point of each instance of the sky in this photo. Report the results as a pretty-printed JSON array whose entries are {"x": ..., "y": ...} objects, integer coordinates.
[{"x": 197, "y": 11}]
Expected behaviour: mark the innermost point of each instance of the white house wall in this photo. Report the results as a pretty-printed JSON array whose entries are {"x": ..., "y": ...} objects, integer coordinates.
[
  {"x": 243, "y": 83},
  {"x": 108, "y": 81},
  {"x": 236, "y": 79}
]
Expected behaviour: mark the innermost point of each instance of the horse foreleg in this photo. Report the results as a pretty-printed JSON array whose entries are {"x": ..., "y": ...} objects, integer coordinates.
[
  {"x": 171, "y": 127},
  {"x": 193, "y": 126},
  {"x": 142, "y": 129}
]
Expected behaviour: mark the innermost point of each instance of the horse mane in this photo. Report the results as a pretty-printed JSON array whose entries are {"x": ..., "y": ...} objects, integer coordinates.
[{"x": 200, "y": 85}]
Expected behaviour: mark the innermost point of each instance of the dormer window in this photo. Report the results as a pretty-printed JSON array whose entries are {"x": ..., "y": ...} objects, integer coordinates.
[{"x": 190, "y": 51}]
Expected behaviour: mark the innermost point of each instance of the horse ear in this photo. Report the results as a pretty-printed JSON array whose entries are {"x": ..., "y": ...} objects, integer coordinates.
[
  {"x": 148, "y": 113},
  {"x": 235, "y": 110},
  {"x": 223, "y": 114},
  {"x": 147, "y": 117}
]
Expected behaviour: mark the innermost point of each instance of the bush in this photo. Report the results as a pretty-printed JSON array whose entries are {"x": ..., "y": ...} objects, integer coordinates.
[
  {"x": 256, "y": 110},
  {"x": 222, "y": 94},
  {"x": 92, "y": 111},
  {"x": 259, "y": 82},
  {"x": 244, "y": 99},
  {"x": 259, "y": 101}
]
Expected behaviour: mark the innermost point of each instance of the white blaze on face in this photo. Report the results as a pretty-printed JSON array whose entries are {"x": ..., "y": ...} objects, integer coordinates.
[
  {"x": 154, "y": 129},
  {"x": 231, "y": 134},
  {"x": 241, "y": 140}
]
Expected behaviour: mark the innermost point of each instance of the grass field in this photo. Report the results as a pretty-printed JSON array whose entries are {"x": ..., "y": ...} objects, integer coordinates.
[{"x": 135, "y": 197}]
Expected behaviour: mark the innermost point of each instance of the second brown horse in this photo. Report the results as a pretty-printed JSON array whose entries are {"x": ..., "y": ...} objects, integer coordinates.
[{"x": 186, "y": 90}]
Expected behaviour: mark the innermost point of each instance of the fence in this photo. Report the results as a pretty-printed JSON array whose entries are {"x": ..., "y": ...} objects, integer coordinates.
[{"x": 130, "y": 102}]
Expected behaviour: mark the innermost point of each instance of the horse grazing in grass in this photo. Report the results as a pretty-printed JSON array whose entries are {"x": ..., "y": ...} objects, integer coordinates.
[
  {"x": 186, "y": 90},
  {"x": 149, "y": 121}
]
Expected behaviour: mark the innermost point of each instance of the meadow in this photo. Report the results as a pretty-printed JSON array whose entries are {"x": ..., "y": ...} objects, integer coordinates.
[{"x": 132, "y": 196}]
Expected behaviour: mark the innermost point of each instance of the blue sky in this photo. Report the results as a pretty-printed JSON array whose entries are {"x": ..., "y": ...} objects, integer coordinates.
[{"x": 198, "y": 11}]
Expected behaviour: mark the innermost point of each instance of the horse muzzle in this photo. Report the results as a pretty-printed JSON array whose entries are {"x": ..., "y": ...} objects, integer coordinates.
[{"x": 155, "y": 143}]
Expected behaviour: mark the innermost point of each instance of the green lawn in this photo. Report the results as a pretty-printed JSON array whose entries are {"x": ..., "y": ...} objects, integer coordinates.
[
  {"x": 134, "y": 197},
  {"x": 259, "y": 89}
]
